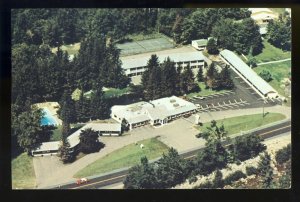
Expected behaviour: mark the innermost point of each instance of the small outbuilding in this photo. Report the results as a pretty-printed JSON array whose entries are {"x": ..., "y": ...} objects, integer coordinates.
[{"x": 200, "y": 44}]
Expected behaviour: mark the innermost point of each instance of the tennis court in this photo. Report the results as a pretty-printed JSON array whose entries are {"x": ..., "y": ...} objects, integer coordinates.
[{"x": 149, "y": 45}]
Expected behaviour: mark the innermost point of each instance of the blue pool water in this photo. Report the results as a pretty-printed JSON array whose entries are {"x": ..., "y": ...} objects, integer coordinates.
[{"x": 48, "y": 119}]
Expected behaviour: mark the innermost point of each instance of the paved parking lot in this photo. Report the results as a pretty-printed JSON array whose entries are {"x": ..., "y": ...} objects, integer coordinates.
[
  {"x": 241, "y": 97},
  {"x": 179, "y": 134}
]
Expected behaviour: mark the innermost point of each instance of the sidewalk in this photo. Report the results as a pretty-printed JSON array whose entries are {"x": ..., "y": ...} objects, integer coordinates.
[{"x": 277, "y": 61}]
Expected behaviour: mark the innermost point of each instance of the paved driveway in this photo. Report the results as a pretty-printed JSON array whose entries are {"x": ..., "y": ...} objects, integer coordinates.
[{"x": 179, "y": 134}]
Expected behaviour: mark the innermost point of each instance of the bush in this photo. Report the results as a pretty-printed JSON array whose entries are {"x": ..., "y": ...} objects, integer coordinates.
[
  {"x": 283, "y": 155},
  {"x": 266, "y": 75},
  {"x": 251, "y": 170},
  {"x": 234, "y": 177}
]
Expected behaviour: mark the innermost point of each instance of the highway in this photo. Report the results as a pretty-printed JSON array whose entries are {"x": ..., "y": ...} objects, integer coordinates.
[{"x": 118, "y": 177}]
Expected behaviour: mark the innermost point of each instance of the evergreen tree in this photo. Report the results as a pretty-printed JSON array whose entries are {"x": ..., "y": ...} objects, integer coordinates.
[
  {"x": 89, "y": 141},
  {"x": 225, "y": 79},
  {"x": 65, "y": 153},
  {"x": 218, "y": 181},
  {"x": 67, "y": 111},
  {"x": 212, "y": 47},
  {"x": 83, "y": 110},
  {"x": 200, "y": 75},
  {"x": 211, "y": 75},
  {"x": 151, "y": 79},
  {"x": 265, "y": 170},
  {"x": 170, "y": 170},
  {"x": 187, "y": 80},
  {"x": 168, "y": 84},
  {"x": 141, "y": 176},
  {"x": 99, "y": 106}
]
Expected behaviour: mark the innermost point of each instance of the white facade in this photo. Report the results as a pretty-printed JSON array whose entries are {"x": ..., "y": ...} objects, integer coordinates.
[
  {"x": 199, "y": 44},
  {"x": 159, "y": 111},
  {"x": 136, "y": 65}
]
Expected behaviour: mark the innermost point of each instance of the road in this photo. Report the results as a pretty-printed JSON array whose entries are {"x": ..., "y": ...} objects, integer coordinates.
[
  {"x": 271, "y": 62},
  {"x": 118, "y": 177}
]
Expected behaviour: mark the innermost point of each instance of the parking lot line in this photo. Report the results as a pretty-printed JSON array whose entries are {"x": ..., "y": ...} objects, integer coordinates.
[
  {"x": 224, "y": 103},
  {"x": 229, "y": 102}
]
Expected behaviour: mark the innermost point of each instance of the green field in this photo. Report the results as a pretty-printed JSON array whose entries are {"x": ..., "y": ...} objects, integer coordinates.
[
  {"x": 243, "y": 123},
  {"x": 204, "y": 92},
  {"x": 115, "y": 92},
  {"x": 271, "y": 53},
  {"x": 22, "y": 172},
  {"x": 278, "y": 71},
  {"x": 129, "y": 155},
  {"x": 278, "y": 10}
]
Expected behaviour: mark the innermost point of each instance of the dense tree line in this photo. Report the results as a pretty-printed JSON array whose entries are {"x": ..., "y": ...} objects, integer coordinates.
[
  {"x": 279, "y": 32},
  {"x": 218, "y": 80},
  {"x": 171, "y": 170},
  {"x": 163, "y": 80},
  {"x": 65, "y": 26}
]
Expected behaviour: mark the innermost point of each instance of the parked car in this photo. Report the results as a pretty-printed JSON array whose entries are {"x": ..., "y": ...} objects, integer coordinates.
[{"x": 81, "y": 181}]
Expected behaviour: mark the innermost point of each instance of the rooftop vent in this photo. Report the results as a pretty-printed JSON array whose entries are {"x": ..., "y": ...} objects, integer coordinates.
[
  {"x": 176, "y": 105},
  {"x": 172, "y": 100}
]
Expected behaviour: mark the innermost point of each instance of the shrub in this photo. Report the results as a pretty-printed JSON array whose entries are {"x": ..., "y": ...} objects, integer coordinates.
[
  {"x": 251, "y": 170},
  {"x": 283, "y": 155},
  {"x": 234, "y": 177},
  {"x": 266, "y": 75}
]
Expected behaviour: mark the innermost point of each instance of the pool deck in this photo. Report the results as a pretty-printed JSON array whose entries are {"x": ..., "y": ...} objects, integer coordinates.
[{"x": 52, "y": 107}]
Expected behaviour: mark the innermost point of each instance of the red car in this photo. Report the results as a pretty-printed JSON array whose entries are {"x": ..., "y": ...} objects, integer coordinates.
[{"x": 81, "y": 181}]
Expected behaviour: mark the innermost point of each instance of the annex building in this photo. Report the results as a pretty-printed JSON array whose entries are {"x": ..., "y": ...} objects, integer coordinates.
[
  {"x": 248, "y": 75},
  {"x": 156, "y": 112},
  {"x": 135, "y": 65},
  {"x": 105, "y": 129}
]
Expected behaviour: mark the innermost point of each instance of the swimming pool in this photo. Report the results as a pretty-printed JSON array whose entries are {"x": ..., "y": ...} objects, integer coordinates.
[{"x": 48, "y": 119}]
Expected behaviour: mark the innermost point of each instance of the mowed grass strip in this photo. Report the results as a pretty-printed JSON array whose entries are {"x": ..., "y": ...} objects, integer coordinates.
[
  {"x": 129, "y": 155},
  {"x": 247, "y": 122},
  {"x": 22, "y": 172},
  {"x": 271, "y": 53}
]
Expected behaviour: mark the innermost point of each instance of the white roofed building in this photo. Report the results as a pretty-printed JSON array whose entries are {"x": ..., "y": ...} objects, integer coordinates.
[
  {"x": 135, "y": 65},
  {"x": 105, "y": 129},
  {"x": 249, "y": 76},
  {"x": 155, "y": 112}
]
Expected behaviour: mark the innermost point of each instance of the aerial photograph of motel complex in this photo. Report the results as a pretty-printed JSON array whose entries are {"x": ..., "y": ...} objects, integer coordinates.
[{"x": 151, "y": 98}]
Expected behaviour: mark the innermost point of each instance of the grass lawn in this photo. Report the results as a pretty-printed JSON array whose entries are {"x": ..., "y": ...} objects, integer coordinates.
[
  {"x": 278, "y": 10},
  {"x": 243, "y": 123},
  {"x": 278, "y": 71},
  {"x": 72, "y": 49},
  {"x": 129, "y": 155},
  {"x": 204, "y": 91},
  {"x": 22, "y": 172},
  {"x": 56, "y": 135},
  {"x": 114, "y": 92},
  {"x": 271, "y": 53}
]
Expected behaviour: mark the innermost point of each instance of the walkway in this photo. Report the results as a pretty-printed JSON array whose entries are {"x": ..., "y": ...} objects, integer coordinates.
[{"x": 277, "y": 61}]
